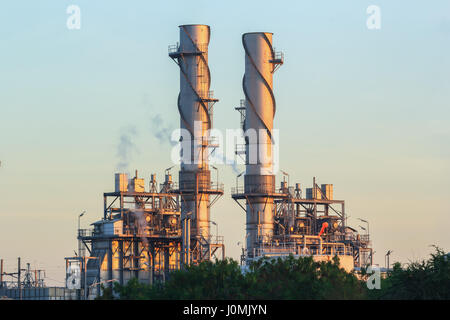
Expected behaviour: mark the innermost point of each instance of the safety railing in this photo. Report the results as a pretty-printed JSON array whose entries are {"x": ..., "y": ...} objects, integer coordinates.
[
  {"x": 151, "y": 232},
  {"x": 168, "y": 186},
  {"x": 365, "y": 237},
  {"x": 202, "y": 186},
  {"x": 213, "y": 141},
  {"x": 240, "y": 148},
  {"x": 173, "y": 48},
  {"x": 237, "y": 190},
  {"x": 85, "y": 232},
  {"x": 217, "y": 239},
  {"x": 285, "y": 248},
  {"x": 207, "y": 94},
  {"x": 257, "y": 188},
  {"x": 278, "y": 56}
]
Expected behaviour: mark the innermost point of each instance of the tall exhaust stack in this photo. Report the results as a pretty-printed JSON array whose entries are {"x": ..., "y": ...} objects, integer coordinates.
[
  {"x": 195, "y": 104},
  {"x": 260, "y": 64}
]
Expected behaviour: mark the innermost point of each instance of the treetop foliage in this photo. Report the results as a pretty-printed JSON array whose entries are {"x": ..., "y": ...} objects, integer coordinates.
[{"x": 291, "y": 278}]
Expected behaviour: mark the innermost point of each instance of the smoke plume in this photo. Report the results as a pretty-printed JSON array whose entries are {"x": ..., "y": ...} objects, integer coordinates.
[
  {"x": 160, "y": 130},
  {"x": 219, "y": 158},
  {"x": 125, "y": 148},
  {"x": 141, "y": 225}
]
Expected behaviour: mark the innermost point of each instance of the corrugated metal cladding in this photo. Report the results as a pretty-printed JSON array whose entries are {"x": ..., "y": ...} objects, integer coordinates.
[{"x": 121, "y": 180}]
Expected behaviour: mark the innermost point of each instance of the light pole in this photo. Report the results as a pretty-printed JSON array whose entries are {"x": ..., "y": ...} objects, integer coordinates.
[
  {"x": 387, "y": 258},
  {"x": 217, "y": 175},
  {"x": 346, "y": 218},
  {"x": 286, "y": 174},
  {"x": 243, "y": 252},
  {"x": 217, "y": 229},
  {"x": 78, "y": 231},
  {"x": 365, "y": 221},
  {"x": 237, "y": 177},
  {"x": 246, "y": 248},
  {"x": 168, "y": 169},
  {"x": 79, "y": 217},
  {"x": 242, "y": 248}
]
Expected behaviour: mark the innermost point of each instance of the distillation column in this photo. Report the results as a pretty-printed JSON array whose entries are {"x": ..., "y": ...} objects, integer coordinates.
[
  {"x": 259, "y": 179},
  {"x": 194, "y": 105}
]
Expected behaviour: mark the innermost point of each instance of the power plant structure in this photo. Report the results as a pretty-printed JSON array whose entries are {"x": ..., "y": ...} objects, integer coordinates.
[
  {"x": 22, "y": 278},
  {"x": 282, "y": 221},
  {"x": 29, "y": 284},
  {"x": 146, "y": 232}
]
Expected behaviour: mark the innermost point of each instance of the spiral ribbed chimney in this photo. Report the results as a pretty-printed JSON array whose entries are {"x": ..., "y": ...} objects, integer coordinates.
[
  {"x": 195, "y": 103},
  {"x": 260, "y": 107}
]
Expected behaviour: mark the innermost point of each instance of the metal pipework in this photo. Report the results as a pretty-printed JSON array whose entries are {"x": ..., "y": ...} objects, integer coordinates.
[
  {"x": 260, "y": 107},
  {"x": 195, "y": 107}
]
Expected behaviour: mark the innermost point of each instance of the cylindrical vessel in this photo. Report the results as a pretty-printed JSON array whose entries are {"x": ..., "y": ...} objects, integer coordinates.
[{"x": 260, "y": 111}]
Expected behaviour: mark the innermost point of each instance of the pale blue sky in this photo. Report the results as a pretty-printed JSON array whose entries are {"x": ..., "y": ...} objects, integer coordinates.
[{"x": 366, "y": 110}]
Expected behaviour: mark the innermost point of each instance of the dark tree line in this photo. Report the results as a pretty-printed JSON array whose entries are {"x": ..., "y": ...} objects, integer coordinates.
[
  {"x": 293, "y": 278},
  {"x": 421, "y": 280}
]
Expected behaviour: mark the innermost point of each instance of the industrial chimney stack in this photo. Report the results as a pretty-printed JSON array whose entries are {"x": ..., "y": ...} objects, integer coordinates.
[
  {"x": 260, "y": 64},
  {"x": 195, "y": 105}
]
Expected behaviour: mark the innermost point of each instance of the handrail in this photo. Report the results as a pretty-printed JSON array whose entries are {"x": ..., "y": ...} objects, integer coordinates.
[
  {"x": 173, "y": 48},
  {"x": 259, "y": 188}
]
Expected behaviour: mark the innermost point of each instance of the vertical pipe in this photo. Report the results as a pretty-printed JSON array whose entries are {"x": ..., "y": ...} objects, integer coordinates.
[
  {"x": 166, "y": 263},
  {"x": 121, "y": 262},
  {"x": 104, "y": 207},
  {"x": 153, "y": 263},
  {"x": 19, "y": 284},
  {"x": 183, "y": 241},
  {"x": 150, "y": 267},
  {"x": 99, "y": 274},
  {"x": 188, "y": 242},
  {"x": 1, "y": 273},
  {"x": 121, "y": 208},
  {"x": 344, "y": 218},
  {"x": 177, "y": 256},
  {"x": 85, "y": 277},
  {"x": 109, "y": 261},
  {"x": 136, "y": 258}
]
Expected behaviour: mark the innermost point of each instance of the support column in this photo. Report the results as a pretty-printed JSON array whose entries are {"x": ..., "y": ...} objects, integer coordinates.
[
  {"x": 153, "y": 263},
  {"x": 109, "y": 262},
  {"x": 136, "y": 258},
  {"x": 121, "y": 262},
  {"x": 166, "y": 263}
]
